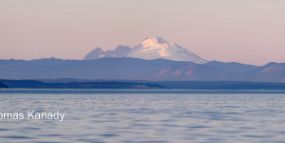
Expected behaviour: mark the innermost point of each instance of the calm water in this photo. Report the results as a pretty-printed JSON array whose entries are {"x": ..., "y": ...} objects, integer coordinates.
[{"x": 147, "y": 118}]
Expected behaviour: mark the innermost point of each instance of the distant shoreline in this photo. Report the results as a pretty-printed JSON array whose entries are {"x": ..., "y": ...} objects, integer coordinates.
[{"x": 140, "y": 85}]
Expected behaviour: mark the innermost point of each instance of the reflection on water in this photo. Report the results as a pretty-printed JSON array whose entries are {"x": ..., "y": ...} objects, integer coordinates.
[{"x": 147, "y": 118}]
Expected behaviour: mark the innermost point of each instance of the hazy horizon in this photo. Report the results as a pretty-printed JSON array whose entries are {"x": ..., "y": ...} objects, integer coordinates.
[{"x": 245, "y": 31}]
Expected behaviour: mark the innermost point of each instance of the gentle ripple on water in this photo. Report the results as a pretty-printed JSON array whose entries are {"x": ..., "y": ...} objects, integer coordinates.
[{"x": 147, "y": 118}]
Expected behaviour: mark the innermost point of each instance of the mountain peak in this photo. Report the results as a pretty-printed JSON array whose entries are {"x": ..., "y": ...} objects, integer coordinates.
[
  {"x": 156, "y": 39},
  {"x": 94, "y": 54}
]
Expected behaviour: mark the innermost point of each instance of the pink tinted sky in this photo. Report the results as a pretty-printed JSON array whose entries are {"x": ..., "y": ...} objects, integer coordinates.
[{"x": 247, "y": 31}]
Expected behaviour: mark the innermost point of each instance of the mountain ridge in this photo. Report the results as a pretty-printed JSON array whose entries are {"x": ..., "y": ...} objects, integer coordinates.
[{"x": 139, "y": 69}]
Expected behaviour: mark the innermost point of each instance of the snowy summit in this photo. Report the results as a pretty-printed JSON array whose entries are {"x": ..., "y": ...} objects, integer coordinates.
[{"x": 158, "y": 47}]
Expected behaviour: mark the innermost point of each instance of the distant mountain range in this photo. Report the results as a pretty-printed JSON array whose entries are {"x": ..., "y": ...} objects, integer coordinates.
[
  {"x": 151, "y": 48},
  {"x": 140, "y": 69}
]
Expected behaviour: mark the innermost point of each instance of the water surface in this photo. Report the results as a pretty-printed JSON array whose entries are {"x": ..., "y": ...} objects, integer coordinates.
[{"x": 147, "y": 117}]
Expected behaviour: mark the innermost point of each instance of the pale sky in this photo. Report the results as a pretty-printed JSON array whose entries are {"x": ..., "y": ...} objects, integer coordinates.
[{"x": 246, "y": 31}]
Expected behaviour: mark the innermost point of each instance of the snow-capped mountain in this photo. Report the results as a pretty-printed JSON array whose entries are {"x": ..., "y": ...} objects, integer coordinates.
[
  {"x": 150, "y": 48},
  {"x": 158, "y": 47}
]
